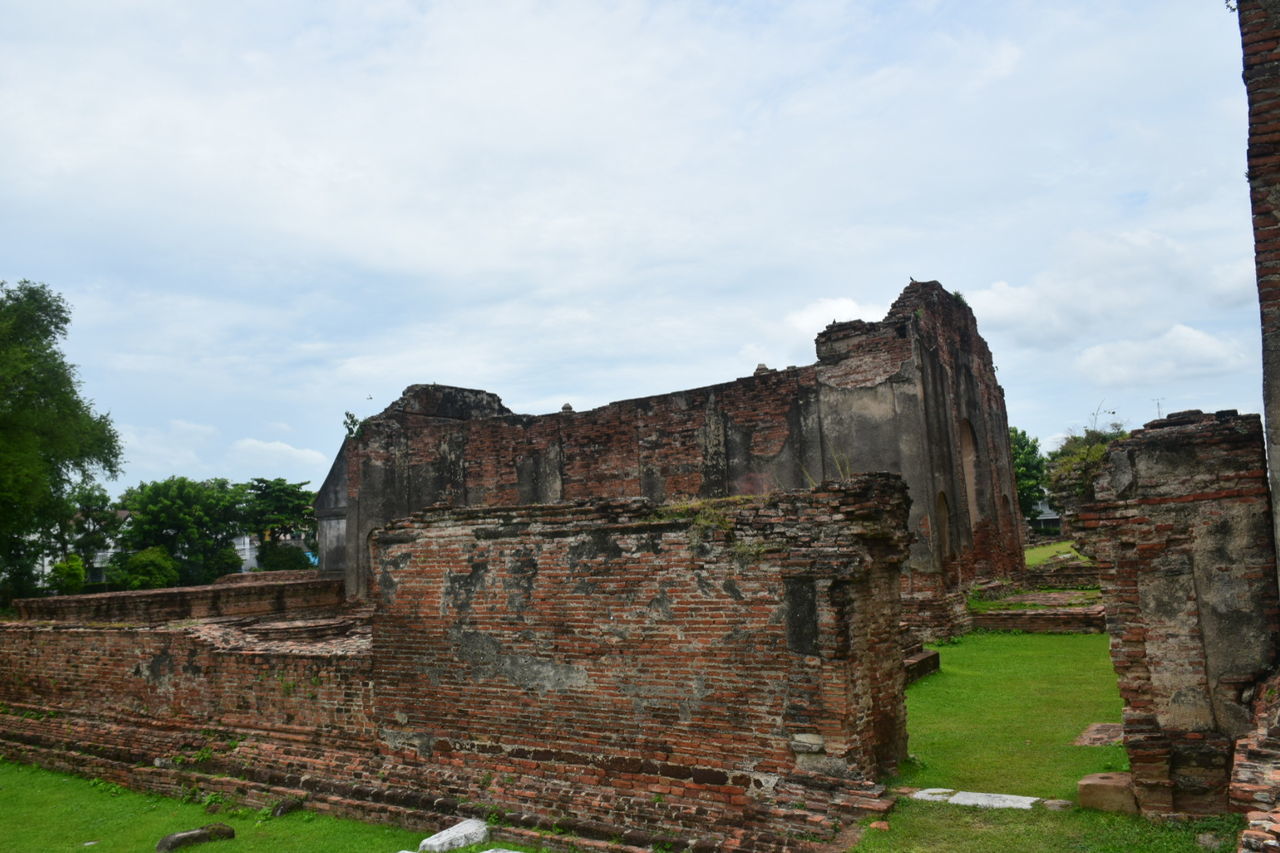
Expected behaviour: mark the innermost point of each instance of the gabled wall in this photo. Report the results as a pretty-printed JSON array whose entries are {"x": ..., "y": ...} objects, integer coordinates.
[{"x": 914, "y": 394}]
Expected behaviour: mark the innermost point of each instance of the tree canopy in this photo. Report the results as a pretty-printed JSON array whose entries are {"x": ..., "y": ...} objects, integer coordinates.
[
  {"x": 50, "y": 437},
  {"x": 1028, "y": 471},
  {"x": 193, "y": 521},
  {"x": 1072, "y": 467}
]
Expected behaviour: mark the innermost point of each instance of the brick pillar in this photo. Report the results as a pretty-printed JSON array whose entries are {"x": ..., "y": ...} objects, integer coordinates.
[
  {"x": 1181, "y": 531},
  {"x": 1260, "y": 37}
]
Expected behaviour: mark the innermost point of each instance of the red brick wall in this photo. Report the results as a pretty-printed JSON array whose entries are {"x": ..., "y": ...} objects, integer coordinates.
[
  {"x": 672, "y": 666},
  {"x": 255, "y": 595},
  {"x": 1064, "y": 620},
  {"x": 1260, "y": 38},
  {"x": 1181, "y": 535},
  {"x": 726, "y": 674}
]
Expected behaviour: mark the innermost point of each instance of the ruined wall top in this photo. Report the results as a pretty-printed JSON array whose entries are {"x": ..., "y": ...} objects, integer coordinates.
[
  {"x": 920, "y": 303},
  {"x": 447, "y": 401}
]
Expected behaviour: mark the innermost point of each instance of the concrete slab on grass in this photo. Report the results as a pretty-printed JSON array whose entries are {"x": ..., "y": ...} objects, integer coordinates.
[
  {"x": 471, "y": 831},
  {"x": 973, "y": 798},
  {"x": 993, "y": 801}
]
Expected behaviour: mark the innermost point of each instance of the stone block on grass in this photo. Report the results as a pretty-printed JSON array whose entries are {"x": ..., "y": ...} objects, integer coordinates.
[
  {"x": 470, "y": 831},
  {"x": 1107, "y": 792}
]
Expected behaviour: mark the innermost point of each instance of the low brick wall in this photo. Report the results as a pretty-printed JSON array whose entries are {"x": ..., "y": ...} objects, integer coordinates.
[
  {"x": 1061, "y": 620},
  {"x": 1073, "y": 575},
  {"x": 259, "y": 594},
  {"x": 274, "y": 577}
]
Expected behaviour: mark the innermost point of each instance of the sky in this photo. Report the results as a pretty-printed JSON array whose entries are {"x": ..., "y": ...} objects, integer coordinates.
[{"x": 266, "y": 215}]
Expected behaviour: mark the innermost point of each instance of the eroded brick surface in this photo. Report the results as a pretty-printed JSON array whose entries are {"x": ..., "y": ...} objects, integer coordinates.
[{"x": 1181, "y": 534}]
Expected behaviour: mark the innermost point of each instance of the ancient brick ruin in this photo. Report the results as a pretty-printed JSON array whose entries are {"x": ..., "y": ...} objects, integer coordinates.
[
  {"x": 723, "y": 673},
  {"x": 1180, "y": 528},
  {"x": 914, "y": 394}
]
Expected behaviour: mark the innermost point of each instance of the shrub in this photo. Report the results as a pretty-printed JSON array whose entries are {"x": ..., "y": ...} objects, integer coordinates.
[
  {"x": 150, "y": 568},
  {"x": 275, "y": 557},
  {"x": 67, "y": 577}
]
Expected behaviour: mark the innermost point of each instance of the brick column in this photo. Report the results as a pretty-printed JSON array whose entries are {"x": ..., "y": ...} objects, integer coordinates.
[
  {"x": 1260, "y": 37},
  {"x": 1181, "y": 531}
]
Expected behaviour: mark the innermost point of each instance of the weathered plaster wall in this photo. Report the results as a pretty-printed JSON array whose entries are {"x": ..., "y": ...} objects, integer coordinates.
[
  {"x": 914, "y": 394},
  {"x": 1181, "y": 533},
  {"x": 723, "y": 673}
]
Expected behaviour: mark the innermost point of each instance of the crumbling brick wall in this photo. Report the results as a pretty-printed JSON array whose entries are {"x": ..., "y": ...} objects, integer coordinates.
[
  {"x": 1260, "y": 39},
  {"x": 255, "y": 594},
  {"x": 1181, "y": 533},
  {"x": 914, "y": 394},
  {"x": 725, "y": 672},
  {"x": 677, "y": 664}
]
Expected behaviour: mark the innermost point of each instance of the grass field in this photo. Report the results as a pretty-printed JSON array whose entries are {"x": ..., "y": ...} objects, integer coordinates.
[
  {"x": 917, "y": 827},
  {"x": 1000, "y": 717},
  {"x": 1001, "y": 714},
  {"x": 45, "y": 811},
  {"x": 1042, "y": 553}
]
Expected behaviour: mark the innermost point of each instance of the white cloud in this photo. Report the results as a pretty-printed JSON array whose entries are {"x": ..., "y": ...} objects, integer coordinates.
[
  {"x": 816, "y": 316},
  {"x": 276, "y": 450},
  {"x": 272, "y": 215},
  {"x": 158, "y": 452},
  {"x": 1180, "y": 353}
]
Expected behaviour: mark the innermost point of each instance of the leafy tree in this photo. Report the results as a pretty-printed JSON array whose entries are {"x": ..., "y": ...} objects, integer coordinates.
[
  {"x": 278, "y": 508},
  {"x": 1072, "y": 467},
  {"x": 90, "y": 522},
  {"x": 193, "y": 521},
  {"x": 49, "y": 436},
  {"x": 279, "y": 557},
  {"x": 67, "y": 577},
  {"x": 1028, "y": 471},
  {"x": 150, "y": 568}
]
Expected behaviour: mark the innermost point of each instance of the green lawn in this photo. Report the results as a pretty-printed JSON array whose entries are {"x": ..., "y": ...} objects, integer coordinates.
[
  {"x": 46, "y": 811},
  {"x": 917, "y": 827},
  {"x": 1001, "y": 714},
  {"x": 1000, "y": 717},
  {"x": 1042, "y": 553}
]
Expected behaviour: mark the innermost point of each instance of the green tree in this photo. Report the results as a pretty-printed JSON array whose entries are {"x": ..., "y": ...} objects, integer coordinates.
[
  {"x": 1072, "y": 467},
  {"x": 279, "y": 557},
  {"x": 276, "y": 509},
  {"x": 1028, "y": 471},
  {"x": 150, "y": 568},
  {"x": 193, "y": 521},
  {"x": 90, "y": 522},
  {"x": 50, "y": 437},
  {"x": 67, "y": 577}
]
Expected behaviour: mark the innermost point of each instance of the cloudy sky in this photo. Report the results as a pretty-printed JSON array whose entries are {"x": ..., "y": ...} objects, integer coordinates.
[{"x": 265, "y": 215}]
